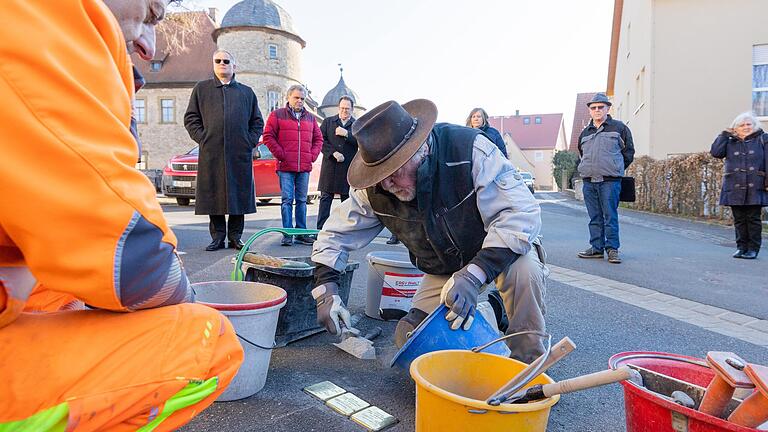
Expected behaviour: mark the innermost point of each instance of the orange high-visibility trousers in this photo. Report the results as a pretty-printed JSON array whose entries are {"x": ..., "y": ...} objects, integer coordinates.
[{"x": 100, "y": 370}]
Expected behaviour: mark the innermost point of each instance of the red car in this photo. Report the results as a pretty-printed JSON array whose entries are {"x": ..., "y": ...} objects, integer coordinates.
[{"x": 180, "y": 177}]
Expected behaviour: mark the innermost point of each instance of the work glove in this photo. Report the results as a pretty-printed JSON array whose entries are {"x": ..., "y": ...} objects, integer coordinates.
[
  {"x": 459, "y": 294},
  {"x": 338, "y": 156},
  {"x": 330, "y": 308},
  {"x": 340, "y": 131}
]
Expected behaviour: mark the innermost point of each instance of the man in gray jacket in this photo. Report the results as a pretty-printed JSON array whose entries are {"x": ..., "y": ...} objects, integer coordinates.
[
  {"x": 606, "y": 150},
  {"x": 460, "y": 208}
]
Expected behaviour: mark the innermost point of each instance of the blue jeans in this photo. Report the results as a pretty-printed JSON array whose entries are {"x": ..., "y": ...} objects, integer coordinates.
[
  {"x": 602, "y": 200},
  {"x": 293, "y": 186}
]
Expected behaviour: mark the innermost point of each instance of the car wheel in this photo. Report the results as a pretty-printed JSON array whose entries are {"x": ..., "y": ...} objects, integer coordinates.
[
  {"x": 182, "y": 201},
  {"x": 265, "y": 200}
]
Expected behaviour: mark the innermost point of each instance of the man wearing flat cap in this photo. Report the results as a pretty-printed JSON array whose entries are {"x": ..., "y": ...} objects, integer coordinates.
[
  {"x": 460, "y": 208},
  {"x": 606, "y": 150}
]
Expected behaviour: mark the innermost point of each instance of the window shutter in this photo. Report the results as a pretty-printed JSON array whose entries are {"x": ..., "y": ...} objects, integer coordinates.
[{"x": 760, "y": 54}]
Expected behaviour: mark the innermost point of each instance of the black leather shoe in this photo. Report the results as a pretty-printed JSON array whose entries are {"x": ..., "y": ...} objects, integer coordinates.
[
  {"x": 216, "y": 244},
  {"x": 305, "y": 240},
  {"x": 236, "y": 244},
  {"x": 749, "y": 255},
  {"x": 738, "y": 254},
  {"x": 393, "y": 240}
]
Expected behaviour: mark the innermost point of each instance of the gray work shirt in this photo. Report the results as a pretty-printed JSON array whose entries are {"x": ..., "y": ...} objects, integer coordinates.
[{"x": 510, "y": 213}]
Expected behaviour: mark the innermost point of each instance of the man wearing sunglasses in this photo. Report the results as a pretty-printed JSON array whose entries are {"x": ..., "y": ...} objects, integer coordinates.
[
  {"x": 606, "y": 150},
  {"x": 223, "y": 117}
]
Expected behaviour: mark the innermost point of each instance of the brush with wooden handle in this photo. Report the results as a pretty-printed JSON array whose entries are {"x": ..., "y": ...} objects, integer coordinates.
[{"x": 583, "y": 382}]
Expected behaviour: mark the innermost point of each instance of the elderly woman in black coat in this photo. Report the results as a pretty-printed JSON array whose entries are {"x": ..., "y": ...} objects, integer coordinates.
[
  {"x": 478, "y": 119},
  {"x": 745, "y": 185}
]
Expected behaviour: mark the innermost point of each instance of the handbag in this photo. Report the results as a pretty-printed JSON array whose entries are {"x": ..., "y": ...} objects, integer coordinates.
[{"x": 627, "y": 193}]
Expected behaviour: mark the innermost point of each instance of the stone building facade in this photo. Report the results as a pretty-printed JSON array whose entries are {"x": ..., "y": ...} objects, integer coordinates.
[{"x": 267, "y": 50}]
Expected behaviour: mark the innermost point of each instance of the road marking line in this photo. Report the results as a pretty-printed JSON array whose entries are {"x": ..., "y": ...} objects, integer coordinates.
[{"x": 743, "y": 327}]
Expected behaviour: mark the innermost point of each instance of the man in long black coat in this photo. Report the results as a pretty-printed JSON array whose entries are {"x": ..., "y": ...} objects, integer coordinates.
[
  {"x": 339, "y": 147},
  {"x": 223, "y": 117}
]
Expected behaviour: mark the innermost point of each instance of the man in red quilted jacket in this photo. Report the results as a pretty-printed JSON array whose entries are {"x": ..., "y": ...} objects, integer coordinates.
[{"x": 294, "y": 138}]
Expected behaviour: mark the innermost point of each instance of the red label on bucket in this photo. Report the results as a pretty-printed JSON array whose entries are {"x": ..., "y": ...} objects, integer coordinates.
[{"x": 398, "y": 289}]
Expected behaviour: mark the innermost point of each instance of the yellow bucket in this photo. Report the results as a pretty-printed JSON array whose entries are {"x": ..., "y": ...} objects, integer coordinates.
[{"x": 452, "y": 386}]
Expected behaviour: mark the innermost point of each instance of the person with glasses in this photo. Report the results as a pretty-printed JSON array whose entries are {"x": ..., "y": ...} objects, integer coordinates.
[
  {"x": 294, "y": 138},
  {"x": 339, "y": 147},
  {"x": 458, "y": 206},
  {"x": 223, "y": 117},
  {"x": 745, "y": 184},
  {"x": 606, "y": 150}
]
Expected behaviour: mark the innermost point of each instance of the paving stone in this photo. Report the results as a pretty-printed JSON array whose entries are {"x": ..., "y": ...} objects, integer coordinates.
[
  {"x": 737, "y": 318},
  {"x": 710, "y": 310},
  {"x": 663, "y": 297},
  {"x": 705, "y": 322},
  {"x": 761, "y": 325},
  {"x": 687, "y": 304},
  {"x": 640, "y": 290}
]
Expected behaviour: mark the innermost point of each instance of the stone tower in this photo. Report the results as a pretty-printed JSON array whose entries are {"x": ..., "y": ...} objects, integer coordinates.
[
  {"x": 330, "y": 105},
  {"x": 267, "y": 49}
]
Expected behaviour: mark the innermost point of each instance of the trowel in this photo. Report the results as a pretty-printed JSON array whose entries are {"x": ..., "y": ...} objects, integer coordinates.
[{"x": 359, "y": 346}]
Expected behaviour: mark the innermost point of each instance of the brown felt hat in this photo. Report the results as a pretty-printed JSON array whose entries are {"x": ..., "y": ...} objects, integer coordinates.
[{"x": 387, "y": 137}]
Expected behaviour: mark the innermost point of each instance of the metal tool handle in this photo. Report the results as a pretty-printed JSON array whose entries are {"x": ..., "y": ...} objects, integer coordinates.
[
  {"x": 373, "y": 333},
  {"x": 477, "y": 349},
  {"x": 556, "y": 353}
]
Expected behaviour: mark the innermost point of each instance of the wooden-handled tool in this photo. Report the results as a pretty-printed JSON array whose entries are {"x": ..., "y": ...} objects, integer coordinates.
[
  {"x": 557, "y": 353},
  {"x": 583, "y": 382}
]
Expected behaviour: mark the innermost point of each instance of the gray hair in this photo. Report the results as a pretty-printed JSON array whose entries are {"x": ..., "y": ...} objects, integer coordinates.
[
  {"x": 231, "y": 57},
  {"x": 748, "y": 115},
  {"x": 295, "y": 87}
]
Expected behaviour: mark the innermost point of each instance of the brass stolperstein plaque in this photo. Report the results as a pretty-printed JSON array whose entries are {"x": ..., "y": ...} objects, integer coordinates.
[
  {"x": 347, "y": 404},
  {"x": 324, "y": 390},
  {"x": 373, "y": 418}
]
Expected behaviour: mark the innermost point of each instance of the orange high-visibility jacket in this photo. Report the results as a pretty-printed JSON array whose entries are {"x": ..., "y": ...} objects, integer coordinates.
[{"x": 75, "y": 216}]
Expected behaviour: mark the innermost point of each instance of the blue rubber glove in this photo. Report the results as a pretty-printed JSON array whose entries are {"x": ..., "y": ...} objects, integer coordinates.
[{"x": 459, "y": 294}]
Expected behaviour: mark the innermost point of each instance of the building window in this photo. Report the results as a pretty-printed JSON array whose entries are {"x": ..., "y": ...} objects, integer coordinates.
[
  {"x": 272, "y": 51},
  {"x": 537, "y": 120},
  {"x": 273, "y": 99},
  {"x": 538, "y": 156},
  {"x": 155, "y": 65},
  {"x": 526, "y": 120},
  {"x": 167, "y": 110},
  {"x": 760, "y": 80},
  {"x": 140, "y": 110}
]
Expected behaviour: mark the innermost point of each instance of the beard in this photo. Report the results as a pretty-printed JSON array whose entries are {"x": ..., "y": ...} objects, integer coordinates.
[{"x": 403, "y": 194}]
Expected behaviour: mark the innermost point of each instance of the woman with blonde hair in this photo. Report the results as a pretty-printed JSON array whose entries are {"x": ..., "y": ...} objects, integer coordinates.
[
  {"x": 745, "y": 185},
  {"x": 478, "y": 119}
]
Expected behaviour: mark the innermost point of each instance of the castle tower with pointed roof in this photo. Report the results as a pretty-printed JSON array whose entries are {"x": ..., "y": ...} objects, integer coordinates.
[{"x": 330, "y": 104}]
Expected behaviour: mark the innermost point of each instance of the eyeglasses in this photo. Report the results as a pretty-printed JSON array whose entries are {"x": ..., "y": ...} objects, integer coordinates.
[
  {"x": 217, "y": 61},
  {"x": 597, "y": 107}
]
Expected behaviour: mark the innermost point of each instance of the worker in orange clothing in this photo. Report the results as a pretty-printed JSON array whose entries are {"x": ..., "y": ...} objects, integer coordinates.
[{"x": 77, "y": 219}]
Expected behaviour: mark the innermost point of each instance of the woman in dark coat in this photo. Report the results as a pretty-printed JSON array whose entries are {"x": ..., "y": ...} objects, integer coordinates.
[
  {"x": 478, "y": 119},
  {"x": 745, "y": 185}
]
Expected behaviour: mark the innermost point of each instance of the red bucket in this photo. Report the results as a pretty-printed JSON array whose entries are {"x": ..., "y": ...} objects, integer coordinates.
[{"x": 647, "y": 412}]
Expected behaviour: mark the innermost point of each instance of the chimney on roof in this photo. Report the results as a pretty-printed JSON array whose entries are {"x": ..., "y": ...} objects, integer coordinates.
[
  {"x": 517, "y": 113},
  {"x": 213, "y": 13}
]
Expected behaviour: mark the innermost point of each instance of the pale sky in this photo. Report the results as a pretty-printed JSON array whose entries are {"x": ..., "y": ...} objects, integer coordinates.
[{"x": 502, "y": 55}]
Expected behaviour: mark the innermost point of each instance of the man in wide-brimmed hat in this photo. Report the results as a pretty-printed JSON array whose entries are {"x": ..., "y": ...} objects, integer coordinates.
[{"x": 456, "y": 203}]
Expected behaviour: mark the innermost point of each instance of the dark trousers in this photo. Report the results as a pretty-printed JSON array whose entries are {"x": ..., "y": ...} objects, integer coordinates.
[
  {"x": 326, "y": 198},
  {"x": 746, "y": 220},
  {"x": 219, "y": 229}
]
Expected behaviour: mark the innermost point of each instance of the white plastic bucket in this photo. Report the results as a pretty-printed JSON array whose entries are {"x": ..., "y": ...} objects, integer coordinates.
[
  {"x": 392, "y": 282},
  {"x": 253, "y": 309}
]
